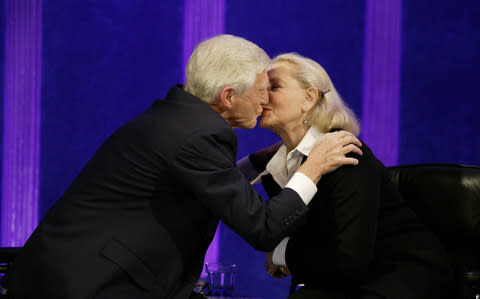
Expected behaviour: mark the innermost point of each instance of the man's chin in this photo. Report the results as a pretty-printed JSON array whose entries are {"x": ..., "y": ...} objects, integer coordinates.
[
  {"x": 261, "y": 123},
  {"x": 252, "y": 125},
  {"x": 247, "y": 126}
]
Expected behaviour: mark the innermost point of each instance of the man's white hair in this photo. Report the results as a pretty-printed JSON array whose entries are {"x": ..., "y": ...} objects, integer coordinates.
[{"x": 223, "y": 60}]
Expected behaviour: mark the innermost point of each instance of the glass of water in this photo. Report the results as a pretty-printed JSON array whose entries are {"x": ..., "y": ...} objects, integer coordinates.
[{"x": 220, "y": 279}]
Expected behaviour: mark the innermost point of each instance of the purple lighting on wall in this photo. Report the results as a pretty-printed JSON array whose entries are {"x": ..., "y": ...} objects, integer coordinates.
[
  {"x": 21, "y": 140},
  {"x": 381, "y": 86},
  {"x": 203, "y": 19}
]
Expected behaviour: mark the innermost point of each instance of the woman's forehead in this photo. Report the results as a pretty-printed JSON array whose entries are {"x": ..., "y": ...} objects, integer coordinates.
[{"x": 280, "y": 69}]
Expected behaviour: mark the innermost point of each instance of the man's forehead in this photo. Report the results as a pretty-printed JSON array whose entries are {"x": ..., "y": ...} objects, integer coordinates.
[{"x": 262, "y": 79}]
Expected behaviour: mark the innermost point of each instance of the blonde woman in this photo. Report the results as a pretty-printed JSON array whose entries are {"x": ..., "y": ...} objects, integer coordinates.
[{"x": 360, "y": 239}]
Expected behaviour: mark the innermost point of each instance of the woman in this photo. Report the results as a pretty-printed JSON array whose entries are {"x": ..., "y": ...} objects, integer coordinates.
[{"x": 360, "y": 239}]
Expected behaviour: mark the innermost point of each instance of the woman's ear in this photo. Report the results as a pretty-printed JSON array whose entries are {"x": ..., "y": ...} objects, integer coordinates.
[
  {"x": 311, "y": 96},
  {"x": 226, "y": 97}
]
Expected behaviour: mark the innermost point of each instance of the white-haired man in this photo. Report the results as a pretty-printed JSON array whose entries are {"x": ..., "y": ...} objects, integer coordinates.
[{"x": 138, "y": 219}]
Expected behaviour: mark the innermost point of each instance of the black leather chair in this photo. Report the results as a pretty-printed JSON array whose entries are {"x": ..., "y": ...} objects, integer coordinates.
[{"x": 447, "y": 198}]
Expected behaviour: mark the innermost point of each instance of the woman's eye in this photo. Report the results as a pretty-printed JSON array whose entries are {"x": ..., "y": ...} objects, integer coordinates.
[{"x": 274, "y": 86}]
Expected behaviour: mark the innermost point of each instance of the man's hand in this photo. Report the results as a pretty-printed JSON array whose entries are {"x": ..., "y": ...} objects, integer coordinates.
[
  {"x": 274, "y": 270},
  {"x": 329, "y": 153}
]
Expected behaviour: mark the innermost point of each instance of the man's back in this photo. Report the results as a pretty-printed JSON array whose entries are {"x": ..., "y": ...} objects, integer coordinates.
[{"x": 126, "y": 218}]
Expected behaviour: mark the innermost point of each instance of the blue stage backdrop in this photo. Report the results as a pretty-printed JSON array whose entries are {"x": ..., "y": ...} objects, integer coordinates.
[
  {"x": 441, "y": 82},
  {"x": 105, "y": 61}
]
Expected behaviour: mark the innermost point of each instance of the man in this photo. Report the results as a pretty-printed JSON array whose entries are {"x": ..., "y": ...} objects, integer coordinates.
[{"x": 138, "y": 219}]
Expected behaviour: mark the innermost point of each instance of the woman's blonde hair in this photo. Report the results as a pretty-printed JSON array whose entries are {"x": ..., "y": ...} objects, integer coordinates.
[{"x": 330, "y": 111}]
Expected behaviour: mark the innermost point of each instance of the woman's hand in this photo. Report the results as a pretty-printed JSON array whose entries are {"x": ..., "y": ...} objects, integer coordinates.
[
  {"x": 329, "y": 153},
  {"x": 274, "y": 270}
]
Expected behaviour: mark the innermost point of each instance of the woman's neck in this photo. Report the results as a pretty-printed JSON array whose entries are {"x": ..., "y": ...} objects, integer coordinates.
[{"x": 291, "y": 138}]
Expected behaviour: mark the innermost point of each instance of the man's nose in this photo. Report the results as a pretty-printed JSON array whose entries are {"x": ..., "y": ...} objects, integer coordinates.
[{"x": 265, "y": 98}]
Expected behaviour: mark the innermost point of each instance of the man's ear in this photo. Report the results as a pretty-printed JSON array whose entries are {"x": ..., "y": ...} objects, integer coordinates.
[
  {"x": 311, "y": 96},
  {"x": 226, "y": 97}
]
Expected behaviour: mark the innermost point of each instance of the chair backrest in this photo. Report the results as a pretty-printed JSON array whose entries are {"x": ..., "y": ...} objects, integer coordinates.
[{"x": 446, "y": 197}]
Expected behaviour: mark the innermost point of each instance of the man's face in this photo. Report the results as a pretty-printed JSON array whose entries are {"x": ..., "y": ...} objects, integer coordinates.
[{"x": 247, "y": 108}]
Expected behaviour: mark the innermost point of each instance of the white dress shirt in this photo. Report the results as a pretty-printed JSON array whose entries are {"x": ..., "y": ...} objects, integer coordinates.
[{"x": 282, "y": 166}]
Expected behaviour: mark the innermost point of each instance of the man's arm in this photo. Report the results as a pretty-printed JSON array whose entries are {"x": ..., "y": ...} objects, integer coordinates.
[
  {"x": 254, "y": 164},
  {"x": 206, "y": 166}
]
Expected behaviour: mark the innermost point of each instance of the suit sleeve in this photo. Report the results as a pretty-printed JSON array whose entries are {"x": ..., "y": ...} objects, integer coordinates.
[
  {"x": 254, "y": 164},
  {"x": 345, "y": 247},
  {"x": 205, "y": 165}
]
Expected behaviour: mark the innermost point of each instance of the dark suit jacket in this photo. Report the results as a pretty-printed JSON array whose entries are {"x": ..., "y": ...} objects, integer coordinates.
[
  {"x": 138, "y": 219},
  {"x": 361, "y": 236}
]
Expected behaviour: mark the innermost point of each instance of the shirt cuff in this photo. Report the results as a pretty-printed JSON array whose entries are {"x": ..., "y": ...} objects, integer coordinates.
[
  {"x": 278, "y": 257},
  {"x": 303, "y": 185}
]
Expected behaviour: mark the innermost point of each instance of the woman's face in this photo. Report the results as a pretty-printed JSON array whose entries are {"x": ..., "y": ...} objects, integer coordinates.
[{"x": 286, "y": 97}]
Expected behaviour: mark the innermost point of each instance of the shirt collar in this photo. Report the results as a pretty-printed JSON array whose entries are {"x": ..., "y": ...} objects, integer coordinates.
[
  {"x": 308, "y": 141},
  {"x": 277, "y": 166}
]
